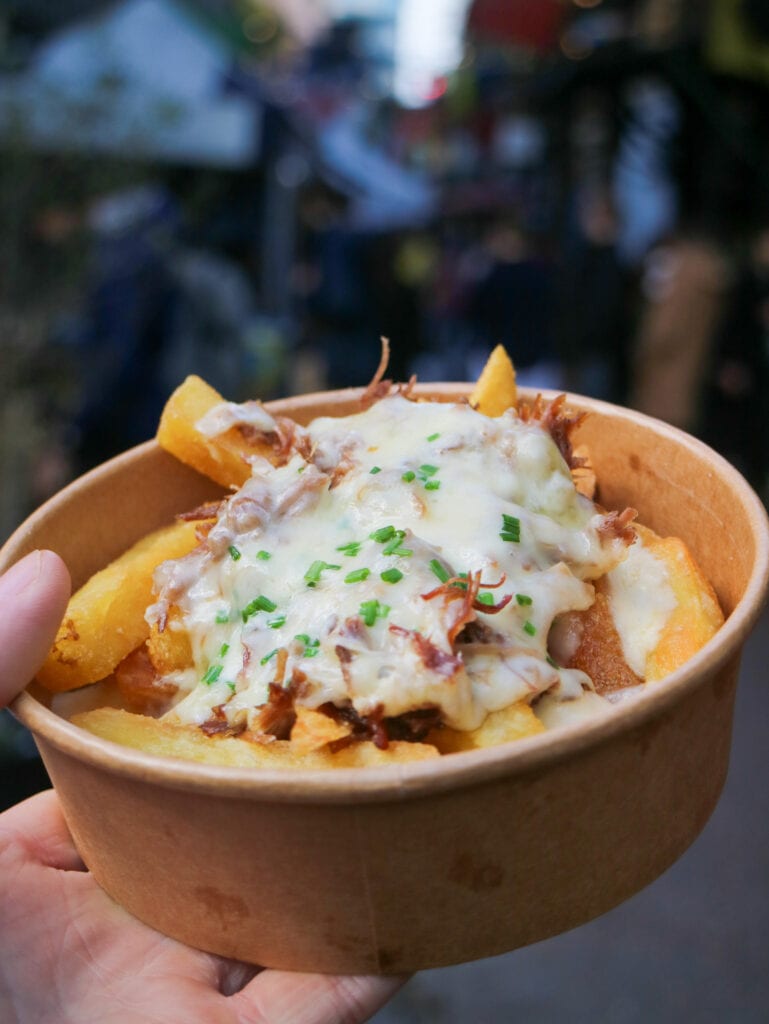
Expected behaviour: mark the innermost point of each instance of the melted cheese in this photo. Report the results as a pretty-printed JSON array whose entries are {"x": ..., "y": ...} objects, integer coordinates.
[{"x": 304, "y": 559}]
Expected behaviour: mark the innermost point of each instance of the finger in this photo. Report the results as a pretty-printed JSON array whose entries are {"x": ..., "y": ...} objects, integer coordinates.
[
  {"x": 312, "y": 998},
  {"x": 33, "y": 597},
  {"x": 36, "y": 828}
]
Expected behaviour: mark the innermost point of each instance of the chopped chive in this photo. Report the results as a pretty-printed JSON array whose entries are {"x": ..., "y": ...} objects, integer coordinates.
[
  {"x": 529, "y": 628},
  {"x": 312, "y": 576},
  {"x": 223, "y": 650},
  {"x": 392, "y": 544},
  {"x": 486, "y": 598},
  {"x": 375, "y": 469},
  {"x": 351, "y": 549},
  {"x": 391, "y": 575},
  {"x": 511, "y": 528},
  {"x": 212, "y": 674},
  {"x": 234, "y": 553},
  {"x": 311, "y": 647},
  {"x": 232, "y": 686},
  {"x": 432, "y": 485},
  {"x": 384, "y": 533},
  {"x": 357, "y": 576},
  {"x": 222, "y": 616},
  {"x": 427, "y": 470},
  {"x": 277, "y": 622},
  {"x": 303, "y": 637},
  {"x": 438, "y": 570},
  {"x": 301, "y": 469},
  {"x": 433, "y": 437},
  {"x": 266, "y": 658},
  {"x": 263, "y": 556},
  {"x": 408, "y": 476},
  {"x": 523, "y": 599},
  {"x": 370, "y": 611},
  {"x": 259, "y": 604}
]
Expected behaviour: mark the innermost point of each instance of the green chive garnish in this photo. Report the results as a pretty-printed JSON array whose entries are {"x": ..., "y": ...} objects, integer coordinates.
[
  {"x": 223, "y": 650},
  {"x": 234, "y": 553},
  {"x": 486, "y": 598},
  {"x": 232, "y": 686},
  {"x": 259, "y": 604},
  {"x": 212, "y": 674},
  {"x": 266, "y": 658},
  {"x": 277, "y": 622},
  {"x": 523, "y": 599},
  {"x": 223, "y": 616},
  {"x": 432, "y": 485},
  {"x": 312, "y": 576},
  {"x": 391, "y": 575},
  {"x": 529, "y": 628},
  {"x": 433, "y": 437},
  {"x": 350, "y": 549},
  {"x": 370, "y": 611},
  {"x": 392, "y": 547},
  {"x": 357, "y": 576},
  {"x": 511, "y": 528},
  {"x": 263, "y": 556},
  {"x": 428, "y": 470},
  {"x": 408, "y": 476},
  {"x": 384, "y": 533},
  {"x": 438, "y": 570},
  {"x": 375, "y": 469}
]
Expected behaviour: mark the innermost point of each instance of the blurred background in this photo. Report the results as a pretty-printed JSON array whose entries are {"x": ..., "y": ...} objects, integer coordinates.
[{"x": 256, "y": 190}]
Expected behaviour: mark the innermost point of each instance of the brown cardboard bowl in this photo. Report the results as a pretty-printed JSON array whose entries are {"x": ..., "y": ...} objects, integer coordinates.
[{"x": 406, "y": 867}]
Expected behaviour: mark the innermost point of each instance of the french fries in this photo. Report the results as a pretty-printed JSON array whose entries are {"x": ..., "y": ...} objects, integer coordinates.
[
  {"x": 105, "y": 620},
  {"x": 169, "y": 739},
  {"x": 223, "y": 458},
  {"x": 105, "y": 634}
]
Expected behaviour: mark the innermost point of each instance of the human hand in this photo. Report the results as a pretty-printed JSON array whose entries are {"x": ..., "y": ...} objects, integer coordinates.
[{"x": 68, "y": 953}]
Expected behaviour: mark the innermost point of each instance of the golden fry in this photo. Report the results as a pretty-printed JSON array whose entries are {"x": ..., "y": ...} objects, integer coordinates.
[
  {"x": 697, "y": 614},
  {"x": 169, "y": 649},
  {"x": 495, "y": 390},
  {"x": 313, "y": 730},
  {"x": 105, "y": 621},
  {"x": 511, "y": 723},
  {"x": 169, "y": 739},
  {"x": 223, "y": 458}
]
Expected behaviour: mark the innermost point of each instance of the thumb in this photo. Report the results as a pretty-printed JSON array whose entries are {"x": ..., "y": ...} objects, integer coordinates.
[{"x": 33, "y": 598}]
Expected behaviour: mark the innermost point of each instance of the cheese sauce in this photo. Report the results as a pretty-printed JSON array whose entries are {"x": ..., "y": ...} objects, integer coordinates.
[{"x": 345, "y": 570}]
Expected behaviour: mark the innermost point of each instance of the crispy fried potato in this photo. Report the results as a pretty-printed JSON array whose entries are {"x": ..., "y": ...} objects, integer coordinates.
[
  {"x": 223, "y": 458},
  {"x": 697, "y": 614},
  {"x": 511, "y": 723},
  {"x": 495, "y": 390},
  {"x": 169, "y": 649},
  {"x": 600, "y": 653},
  {"x": 169, "y": 739},
  {"x": 105, "y": 621}
]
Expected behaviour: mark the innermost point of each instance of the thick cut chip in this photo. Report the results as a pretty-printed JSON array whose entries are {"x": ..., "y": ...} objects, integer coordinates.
[
  {"x": 188, "y": 742},
  {"x": 495, "y": 390},
  {"x": 697, "y": 614},
  {"x": 223, "y": 458},
  {"x": 511, "y": 723},
  {"x": 169, "y": 648},
  {"x": 600, "y": 653},
  {"x": 104, "y": 620}
]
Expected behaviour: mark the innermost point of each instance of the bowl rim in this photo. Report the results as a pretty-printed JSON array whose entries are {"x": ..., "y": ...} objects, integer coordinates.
[{"x": 412, "y": 779}]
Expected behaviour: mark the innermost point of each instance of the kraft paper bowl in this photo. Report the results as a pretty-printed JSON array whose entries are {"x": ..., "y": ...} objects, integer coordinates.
[{"x": 420, "y": 865}]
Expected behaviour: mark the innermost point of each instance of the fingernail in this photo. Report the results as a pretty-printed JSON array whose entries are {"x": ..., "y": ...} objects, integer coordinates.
[{"x": 21, "y": 575}]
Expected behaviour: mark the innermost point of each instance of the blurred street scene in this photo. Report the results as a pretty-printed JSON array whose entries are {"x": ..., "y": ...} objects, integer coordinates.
[{"x": 257, "y": 190}]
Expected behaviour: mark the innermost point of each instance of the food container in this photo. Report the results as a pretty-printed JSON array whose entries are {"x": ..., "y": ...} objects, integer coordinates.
[{"x": 418, "y": 865}]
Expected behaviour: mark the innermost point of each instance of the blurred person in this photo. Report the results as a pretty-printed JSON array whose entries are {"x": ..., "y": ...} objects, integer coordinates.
[
  {"x": 128, "y": 317},
  {"x": 684, "y": 286},
  {"x": 512, "y": 304},
  {"x": 67, "y": 951},
  {"x": 735, "y": 420},
  {"x": 591, "y": 319}
]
